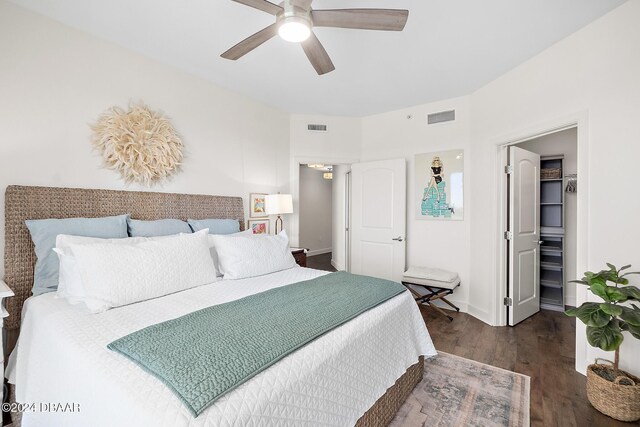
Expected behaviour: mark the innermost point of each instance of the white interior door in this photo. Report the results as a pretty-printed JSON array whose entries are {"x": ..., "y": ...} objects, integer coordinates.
[
  {"x": 378, "y": 218},
  {"x": 524, "y": 243}
]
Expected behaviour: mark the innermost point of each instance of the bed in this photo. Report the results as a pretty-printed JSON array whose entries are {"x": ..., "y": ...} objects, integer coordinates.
[{"x": 359, "y": 373}]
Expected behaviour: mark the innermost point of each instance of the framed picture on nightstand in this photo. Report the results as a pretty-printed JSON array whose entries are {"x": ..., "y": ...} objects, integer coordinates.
[
  {"x": 259, "y": 226},
  {"x": 257, "y": 205}
]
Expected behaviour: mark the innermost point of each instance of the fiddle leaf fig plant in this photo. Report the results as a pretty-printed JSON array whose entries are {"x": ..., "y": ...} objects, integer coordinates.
[{"x": 607, "y": 320}]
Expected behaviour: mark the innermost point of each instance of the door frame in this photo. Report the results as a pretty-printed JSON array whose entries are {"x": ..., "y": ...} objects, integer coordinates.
[
  {"x": 347, "y": 222},
  {"x": 581, "y": 122},
  {"x": 293, "y": 227}
]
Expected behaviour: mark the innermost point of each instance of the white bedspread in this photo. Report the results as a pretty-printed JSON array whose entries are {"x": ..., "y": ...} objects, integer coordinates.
[{"x": 62, "y": 358}]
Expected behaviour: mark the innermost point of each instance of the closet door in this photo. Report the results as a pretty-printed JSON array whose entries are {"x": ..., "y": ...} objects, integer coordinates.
[{"x": 524, "y": 243}]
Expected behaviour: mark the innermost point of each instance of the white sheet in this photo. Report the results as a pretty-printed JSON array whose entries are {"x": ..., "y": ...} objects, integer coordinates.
[{"x": 62, "y": 358}]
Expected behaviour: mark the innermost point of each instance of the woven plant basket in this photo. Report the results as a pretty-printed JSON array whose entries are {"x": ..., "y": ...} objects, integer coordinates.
[
  {"x": 619, "y": 401},
  {"x": 551, "y": 173}
]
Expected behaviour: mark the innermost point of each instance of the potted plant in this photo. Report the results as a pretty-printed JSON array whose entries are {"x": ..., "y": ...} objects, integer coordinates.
[{"x": 611, "y": 391}]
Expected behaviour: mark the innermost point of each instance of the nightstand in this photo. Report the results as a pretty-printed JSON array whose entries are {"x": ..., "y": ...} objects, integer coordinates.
[
  {"x": 5, "y": 292},
  {"x": 300, "y": 255}
]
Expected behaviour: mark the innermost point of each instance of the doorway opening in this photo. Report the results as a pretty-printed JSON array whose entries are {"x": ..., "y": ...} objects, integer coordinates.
[
  {"x": 323, "y": 214},
  {"x": 541, "y": 222}
]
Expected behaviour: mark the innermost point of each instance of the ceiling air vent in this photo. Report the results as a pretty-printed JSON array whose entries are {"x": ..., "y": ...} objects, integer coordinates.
[
  {"x": 317, "y": 128},
  {"x": 441, "y": 117}
]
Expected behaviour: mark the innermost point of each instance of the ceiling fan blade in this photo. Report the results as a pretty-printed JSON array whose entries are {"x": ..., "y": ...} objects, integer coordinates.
[
  {"x": 262, "y": 5},
  {"x": 302, "y": 4},
  {"x": 250, "y": 43},
  {"x": 317, "y": 55},
  {"x": 362, "y": 19}
]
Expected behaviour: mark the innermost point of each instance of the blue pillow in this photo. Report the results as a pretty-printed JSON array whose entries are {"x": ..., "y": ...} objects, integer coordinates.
[
  {"x": 161, "y": 227},
  {"x": 44, "y": 233},
  {"x": 215, "y": 226}
]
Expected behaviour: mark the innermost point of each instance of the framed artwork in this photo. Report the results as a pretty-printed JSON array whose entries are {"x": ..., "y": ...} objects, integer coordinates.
[
  {"x": 439, "y": 179},
  {"x": 257, "y": 205},
  {"x": 259, "y": 226}
]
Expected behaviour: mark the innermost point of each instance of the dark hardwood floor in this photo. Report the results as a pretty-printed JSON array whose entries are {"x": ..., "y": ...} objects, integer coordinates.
[
  {"x": 542, "y": 347},
  {"x": 320, "y": 262}
]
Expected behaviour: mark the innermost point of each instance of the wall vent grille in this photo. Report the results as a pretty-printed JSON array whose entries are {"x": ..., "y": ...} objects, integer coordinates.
[
  {"x": 317, "y": 128},
  {"x": 441, "y": 117}
]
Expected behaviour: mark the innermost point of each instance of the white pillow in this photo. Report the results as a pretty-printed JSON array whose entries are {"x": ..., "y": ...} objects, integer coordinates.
[
  {"x": 214, "y": 254},
  {"x": 69, "y": 281},
  {"x": 114, "y": 275},
  {"x": 242, "y": 257}
]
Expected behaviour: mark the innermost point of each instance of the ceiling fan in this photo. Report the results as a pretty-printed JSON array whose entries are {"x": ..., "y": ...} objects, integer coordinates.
[{"x": 295, "y": 20}]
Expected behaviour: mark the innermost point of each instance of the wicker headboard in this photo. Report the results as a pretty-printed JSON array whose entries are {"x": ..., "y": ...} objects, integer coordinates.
[{"x": 23, "y": 203}]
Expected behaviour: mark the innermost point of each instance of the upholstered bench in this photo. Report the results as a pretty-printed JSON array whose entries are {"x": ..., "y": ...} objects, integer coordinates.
[{"x": 431, "y": 284}]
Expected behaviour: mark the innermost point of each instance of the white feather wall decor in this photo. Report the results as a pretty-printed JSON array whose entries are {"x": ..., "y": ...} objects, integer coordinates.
[{"x": 140, "y": 143}]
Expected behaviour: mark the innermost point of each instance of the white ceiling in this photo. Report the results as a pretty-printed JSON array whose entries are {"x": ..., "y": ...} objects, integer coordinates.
[{"x": 449, "y": 48}]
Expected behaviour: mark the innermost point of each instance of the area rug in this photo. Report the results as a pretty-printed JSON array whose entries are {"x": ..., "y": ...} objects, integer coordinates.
[{"x": 460, "y": 392}]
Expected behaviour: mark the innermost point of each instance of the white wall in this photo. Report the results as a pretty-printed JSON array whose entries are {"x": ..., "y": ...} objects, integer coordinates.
[
  {"x": 564, "y": 143},
  {"x": 338, "y": 252},
  {"x": 55, "y": 80},
  {"x": 591, "y": 77},
  {"x": 431, "y": 243},
  {"x": 341, "y": 141},
  {"x": 315, "y": 211}
]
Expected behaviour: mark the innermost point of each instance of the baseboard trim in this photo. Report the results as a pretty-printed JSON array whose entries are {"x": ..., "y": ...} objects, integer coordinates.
[
  {"x": 460, "y": 304},
  {"x": 479, "y": 314},
  {"x": 318, "y": 252},
  {"x": 336, "y": 265},
  {"x": 464, "y": 308}
]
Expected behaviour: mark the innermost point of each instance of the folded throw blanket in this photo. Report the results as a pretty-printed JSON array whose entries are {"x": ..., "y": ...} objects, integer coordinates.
[{"x": 204, "y": 354}]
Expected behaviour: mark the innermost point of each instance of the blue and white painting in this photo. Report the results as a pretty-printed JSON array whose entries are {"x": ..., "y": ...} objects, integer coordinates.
[{"x": 439, "y": 185}]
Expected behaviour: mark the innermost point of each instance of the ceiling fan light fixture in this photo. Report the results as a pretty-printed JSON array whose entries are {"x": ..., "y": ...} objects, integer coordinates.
[
  {"x": 295, "y": 20},
  {"x": 294, "y": 29}
]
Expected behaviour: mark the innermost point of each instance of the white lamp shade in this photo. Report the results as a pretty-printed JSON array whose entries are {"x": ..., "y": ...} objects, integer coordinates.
[
  {"x": 277, "y": 204},
  {"x": 294, "y": 29}
]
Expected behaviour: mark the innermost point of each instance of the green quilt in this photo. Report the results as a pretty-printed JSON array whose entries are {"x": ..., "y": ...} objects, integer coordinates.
[{"x": 204, "y": 354}]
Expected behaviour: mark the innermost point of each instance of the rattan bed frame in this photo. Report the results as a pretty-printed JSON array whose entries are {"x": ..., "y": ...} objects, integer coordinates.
[{"x": 23, "y": 203}]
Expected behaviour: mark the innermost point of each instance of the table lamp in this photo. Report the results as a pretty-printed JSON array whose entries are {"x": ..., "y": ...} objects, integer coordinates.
[{"x": 278, "y": 204}]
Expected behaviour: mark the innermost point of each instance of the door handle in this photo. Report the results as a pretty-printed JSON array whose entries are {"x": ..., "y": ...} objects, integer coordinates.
[
  {"x": 539, "y": 242},
  {"x": 398, "y": 239}
]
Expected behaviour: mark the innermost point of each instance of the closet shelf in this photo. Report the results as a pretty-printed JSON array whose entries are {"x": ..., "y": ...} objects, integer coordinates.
[
  {"x": 552, "y": 234},
  {"x": 550, "y": 244},
  {"x": 551, "y": 249},
  {"x": 554, "y": 231},
  {"x": 551, "y": 284},
  {"x": 551, "y": 296},
  {"x": 551, "y": 260},
  {"x": 552, "y": 276},
  {"x": 556, "y": 266}
]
